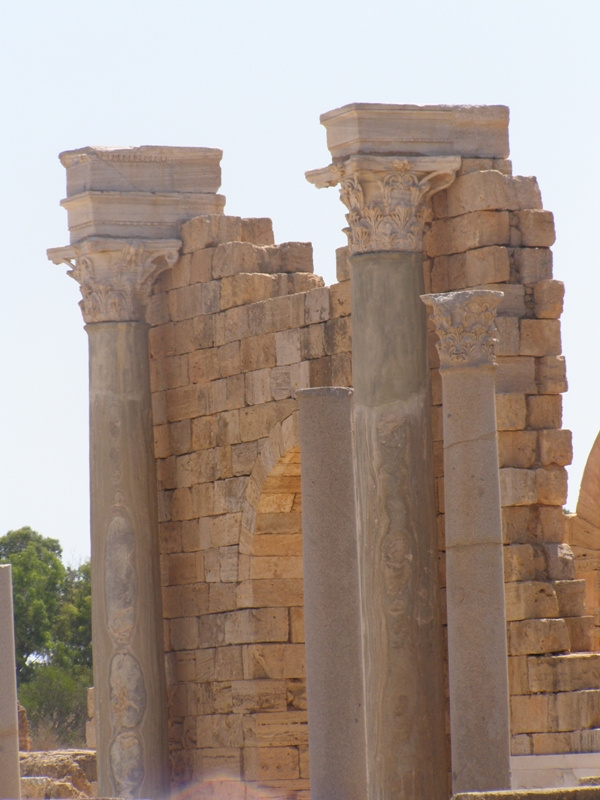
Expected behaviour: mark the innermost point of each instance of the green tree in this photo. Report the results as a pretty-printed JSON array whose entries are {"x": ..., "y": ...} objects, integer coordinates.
[
  {"x": 52, "y": 605},
  {"x": 38, "y": 577}
]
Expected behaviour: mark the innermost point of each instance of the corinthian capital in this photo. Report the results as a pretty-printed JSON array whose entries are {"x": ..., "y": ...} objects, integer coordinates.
[
  {"x": 386, "y": 197},
  {"x": 116, "y": 275},
  {"x": 464, "y": 322}
]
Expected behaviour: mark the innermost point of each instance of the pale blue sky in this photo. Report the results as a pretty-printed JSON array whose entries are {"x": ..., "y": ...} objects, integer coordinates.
[{"x": 252, "y": 78}]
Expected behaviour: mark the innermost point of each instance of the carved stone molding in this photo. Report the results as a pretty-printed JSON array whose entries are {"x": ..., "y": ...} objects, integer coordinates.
[
  {"x": 386, "y": 197},
  {"x": 116, "y": 275},
  {"x": 464, "y": 322}
]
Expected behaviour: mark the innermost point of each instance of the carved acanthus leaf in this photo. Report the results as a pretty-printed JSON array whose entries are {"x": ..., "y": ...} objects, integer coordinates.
[
  {"x": 464, "y": 322},
  {"x": 116, "y": 275},
  {"x": 386, "y": 198}
]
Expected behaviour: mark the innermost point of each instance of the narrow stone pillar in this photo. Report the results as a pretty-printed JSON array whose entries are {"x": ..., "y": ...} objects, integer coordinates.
[
  {"x": 334, "y": 664},
  {"x": 10, "y": 781},
  {"x": 477, "y": 653},
  {"x": 129, "y": 682},
  {"x": 403, "y": 647}
]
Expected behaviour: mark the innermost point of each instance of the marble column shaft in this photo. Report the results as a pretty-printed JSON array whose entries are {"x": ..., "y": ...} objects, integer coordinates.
[
  {"x": 477, "y": 651},
  {"x": 334, "y": 664},
  {"x": 10, "y": 781}
]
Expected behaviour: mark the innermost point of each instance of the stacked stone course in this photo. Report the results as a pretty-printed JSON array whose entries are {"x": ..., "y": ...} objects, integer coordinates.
[
  {"x": 489, "y": 230},
  {"x": 237, "y": 326}
]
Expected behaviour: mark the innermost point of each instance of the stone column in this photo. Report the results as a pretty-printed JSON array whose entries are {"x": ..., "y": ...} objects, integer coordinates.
[
  {"x": 10, "y": 781},
  {"x": 116, "y": 276},
  {"x": 403, "y": 647},
  {"x": 334, "y": 664},
  {"x": 477, "y": 653}
]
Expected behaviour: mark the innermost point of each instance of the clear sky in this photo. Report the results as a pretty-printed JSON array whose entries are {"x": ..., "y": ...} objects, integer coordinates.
[{"x": 252, "y": 78}]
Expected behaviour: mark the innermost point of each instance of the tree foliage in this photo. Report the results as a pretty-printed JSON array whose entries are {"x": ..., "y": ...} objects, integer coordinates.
[{"x": 52, "y": 609}]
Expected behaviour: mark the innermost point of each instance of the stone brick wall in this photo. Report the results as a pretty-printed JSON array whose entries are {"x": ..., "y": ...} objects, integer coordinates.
[
  {"x": 489, "y": 230},
  {"x": 240, "y": 323},
  {"x": 237, "y": 326}
]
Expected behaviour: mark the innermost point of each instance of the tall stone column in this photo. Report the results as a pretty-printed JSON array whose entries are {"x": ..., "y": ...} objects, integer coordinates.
[
  {"x": 403, "y": 647},
  {"x": 129, "y": 684},
  {"x": 477, "y": 652},
  {"x": 125, "y": 208},
  {"x": 10, "y": 781},
  {"x": 334, "y": 664}
]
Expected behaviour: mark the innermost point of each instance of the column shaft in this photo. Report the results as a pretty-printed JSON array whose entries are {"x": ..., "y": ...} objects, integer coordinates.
[
  {"x": 126, "y": 602},
  {"x": 404, "y": 662},
  {"x": 477, "y": 653},
  {"x": 10, "y": 781},
  {"x": 334, "y": 665}
]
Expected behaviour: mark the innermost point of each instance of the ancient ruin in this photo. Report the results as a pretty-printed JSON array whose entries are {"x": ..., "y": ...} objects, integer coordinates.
[{"x": 384, "y": 453}]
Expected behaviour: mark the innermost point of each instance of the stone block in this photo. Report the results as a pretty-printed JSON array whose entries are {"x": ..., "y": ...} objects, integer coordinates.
[
  {"x": 521, "y": 744},
  {"x": 342, "y": 264},
  {"x": 316, "y": 306},
  {"x": 528, "y": 713},
  {"x": 487, "y": 190},
  {"x": 532, "y": 228},
  {"x": 551, "y": 375},
  {"x": 467, "y": 232},
  {"x": 517, "y": 523},
  {"x": 270, "y": 593},
  {"x": 559, "y": 561},
  {"x": 571, "y": 598},
  {"x": 287, "y": 347},
  {"x": 257, "y": 230},
  {"x": 258, "y": 352},
  {"x": 515, "y": 374},
  {"x": 518, "y": 680},
  {"x": 517, "y": 487},
  {"x": 581, "y": 634},
  {"x": 519, "y": 562},
  {"x": 508, "y": 336},
  {"x": 540, "y": 337},
  {"x": 297, "y": 624},
  {"x": 552, "y": 523},
  {"x": 185, "y": 633},
  {"x": 210, "y": 230},
  {"x": 537, "y": 636},
  {"x": 296, "y": 257},
  {"x": 564, "y": 673},
  {"x": 551, "y": 486},
  {"x": 242, "y": 288},
  {"x": 544, "y": 412},
  {"x": 548, "y": 297},
  {"x": 517, "y": 448},
  {"x": 511, "y": 411},
  {"x": 532, "y": 264},
  {"x": 513, "y": 302},
  {"x": 530, "y": 600},
  {"x": 256, "y": 625},
  {"x": 263, "y": 695},
  {"x": 186, "y": 402},
  {"x": 548, "y": 743},
  {"x": 340, "y": 295},
  {"x": 234, "y": 257},
  {"x": 338, "y": 335}
]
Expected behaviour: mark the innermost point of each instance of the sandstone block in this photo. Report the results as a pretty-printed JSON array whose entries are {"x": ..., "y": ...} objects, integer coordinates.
[
  {"x": 536, "y": 636},
  {"x": 530, "y": 600},
  {"x": 511, "y": 411},
  {"x": 296, "y": 257},
  {"x": 508, "y": 336},
  {"x": 263, "y": 695},
  {"x": 517, "y": 448},
  {"x": 316, "y": 306},
  {"x": 184, "y": 633},
  {"x": 233, "y": 257},
  {"x": 258, "y": 387},
  {"x": 242, "y": 288},
  {"x": 186, "y": 402},
  {"x": 521, "y": 744},
  {"x": 544, "y": 412},
  {"x": 532, "y": 228},
  {"x": 297, "y": 624},
  {"x": 342, "y": 264},
  {"x": 528, "y": 713},
  {"x": 564, "y": 673},
  {"x": 270, "y": 593},
  {"x": 258, "y": 352},
  {"x": 515, "y": 374},
  {"x": 581, "y": 634},
  {"x": 257, "y": 230},
  {"x": 340, "y": 295},
  {"x": 540, "y": 337},
  {"x": 276, "y": 729},
  {"x": 210, "y": 230},
  {"x": 519, "y": 562},
  {"x": 552, "y": 523},
  {"x": 517, "y": 487},
  {"x": 575, "y": 710},
  {"x": 571, "y": 598},
  {"x": 590, "y": 741},
  {"x": 532, "y": 264},
  {"x": 201, "y": 265},
  {"x": 487, "y": 191},
  {"x": 256, "y": 625},
  {"x": 467, "y": 232},
  {"x": 287, "y": 347},
  {"x": 551, "y": 374},
  {"x": 548, "y": 297},
  {"x": 338, "y": 335},
  {"x": 548, "y": 743},
  {"x": 518, "y": 524},
  {"x": 556, "y": 447},
  {"x": 518, "y": 679},
  {"x": 559, "y": 561},
  {"x": 551, "y": 486}
]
